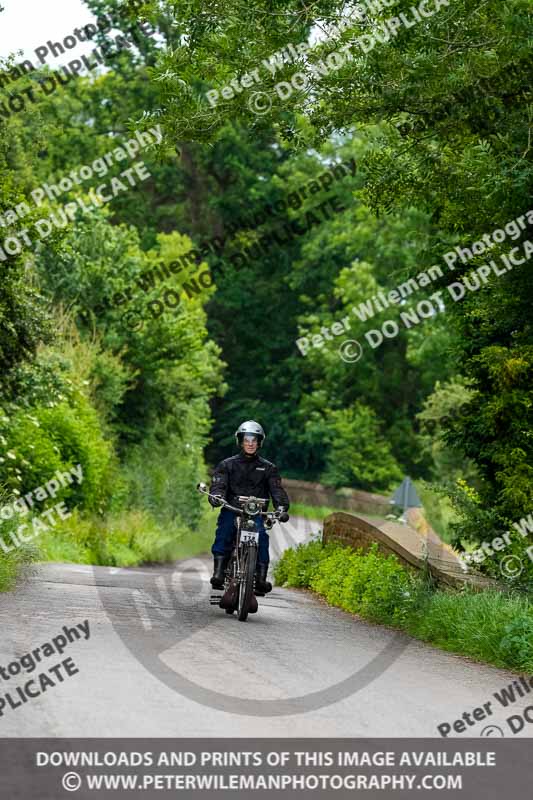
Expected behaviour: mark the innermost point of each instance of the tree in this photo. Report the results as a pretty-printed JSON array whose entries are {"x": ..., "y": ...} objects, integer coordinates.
[
  {"x": 22, "y": 313},
  {"x": 452, "y": 94}
]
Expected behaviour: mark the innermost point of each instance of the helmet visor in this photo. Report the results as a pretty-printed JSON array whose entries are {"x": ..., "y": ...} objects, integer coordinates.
[{"x": 250, "y": 438}]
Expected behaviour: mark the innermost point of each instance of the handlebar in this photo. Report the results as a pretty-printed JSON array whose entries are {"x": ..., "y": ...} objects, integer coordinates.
[{"x": 280, "y": 516}]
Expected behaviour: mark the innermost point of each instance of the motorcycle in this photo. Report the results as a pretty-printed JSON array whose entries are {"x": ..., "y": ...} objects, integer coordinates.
[{"x": 239, "y": 581}]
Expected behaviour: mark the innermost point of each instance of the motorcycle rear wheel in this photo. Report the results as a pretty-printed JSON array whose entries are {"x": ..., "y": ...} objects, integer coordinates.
[{"x": 246, "y": 587}]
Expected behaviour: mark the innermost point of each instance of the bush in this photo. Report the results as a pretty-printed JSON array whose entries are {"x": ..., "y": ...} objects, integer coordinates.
[
  {"x": 51, "y": 424},
  {"x": 43, "y": 440},
  {"x": 297, "y": 566},
  {"x": 369, "y": 584},
  {"x": 516, "y": 645},
  {"x": 476, "y": 523},
  {"x": 489, "y": 626},
  {"x": 161, "y": 477}
]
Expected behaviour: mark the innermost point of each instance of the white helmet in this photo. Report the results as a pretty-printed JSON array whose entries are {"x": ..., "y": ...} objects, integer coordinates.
[{"x": 250, "y": 427}]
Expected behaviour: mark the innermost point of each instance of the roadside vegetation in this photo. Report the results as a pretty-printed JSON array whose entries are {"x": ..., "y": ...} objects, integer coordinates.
[
  {"x": 124, "y": 540},
  {"x": 488, "y": 626}
]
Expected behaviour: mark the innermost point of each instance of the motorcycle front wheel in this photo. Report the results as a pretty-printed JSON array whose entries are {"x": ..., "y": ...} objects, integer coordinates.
[{"x": 246, "y": 587}]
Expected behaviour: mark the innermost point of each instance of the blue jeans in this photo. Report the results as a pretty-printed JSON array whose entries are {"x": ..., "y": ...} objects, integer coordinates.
[{"x": 225, "y": 536}]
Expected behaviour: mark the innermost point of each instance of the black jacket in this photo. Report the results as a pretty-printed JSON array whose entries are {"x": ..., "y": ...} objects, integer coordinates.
[{"x": 248, "y": 476}]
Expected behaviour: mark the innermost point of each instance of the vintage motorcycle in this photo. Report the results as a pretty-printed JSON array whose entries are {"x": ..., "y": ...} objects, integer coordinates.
[{"x": 239, "y": 584}]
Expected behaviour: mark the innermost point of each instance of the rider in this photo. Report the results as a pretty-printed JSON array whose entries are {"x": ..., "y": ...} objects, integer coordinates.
[{"x": 246, "y": 474}]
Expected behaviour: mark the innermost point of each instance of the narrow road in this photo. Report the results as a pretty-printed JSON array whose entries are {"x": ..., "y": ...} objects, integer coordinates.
[{"x": 160, "y": 661}]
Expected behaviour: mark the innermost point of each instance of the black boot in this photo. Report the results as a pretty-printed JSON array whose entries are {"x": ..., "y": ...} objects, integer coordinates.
[
  {"x": 219, "y": 571},
  {"x": 262, "y": 586}
]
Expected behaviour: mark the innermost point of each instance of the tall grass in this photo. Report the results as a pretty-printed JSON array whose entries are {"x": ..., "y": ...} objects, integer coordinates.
[
  {"x": 13, "y": 560},
  {"x": 124, "y": 539}
]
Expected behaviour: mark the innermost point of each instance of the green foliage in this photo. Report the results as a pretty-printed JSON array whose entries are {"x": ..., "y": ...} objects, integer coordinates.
[
  {"x": 475, "y": 523},
  {"x": 132, "y": 406},
  {"x": 358, "y": 454},
  {"x": 53, "y": 426},
  {"x": 23, "y": 318},
  {"x": 486, "y": 625},
  {"x": 297, "y": 566},
  {"x": 499, "y": 422},
  {"x": 45, "y": 440},
  {"x": 438, "y": 410},
  {"x": 514, "y": 648},
  {"x": 63, "y": 404},
  {"x": 368, "y": 584},
  {"x": 438, "y": 508},
  {"x": 161, "y": 477},
  {"x": 335, "y": 266},
  {"x": 12, "y": 565},
  {"x": 169, "y": 369}
]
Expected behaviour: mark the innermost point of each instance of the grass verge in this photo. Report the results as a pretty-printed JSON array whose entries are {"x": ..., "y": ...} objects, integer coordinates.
[
  {"x": 125, "y": 539},
  {"x": 488, "y": 626},
  {"x": 13, "y": 560}
]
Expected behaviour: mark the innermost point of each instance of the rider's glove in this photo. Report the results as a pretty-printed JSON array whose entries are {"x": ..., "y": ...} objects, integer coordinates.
[
  {"x": 283, "y": 517},
  {"x": 216, "y": 501}
]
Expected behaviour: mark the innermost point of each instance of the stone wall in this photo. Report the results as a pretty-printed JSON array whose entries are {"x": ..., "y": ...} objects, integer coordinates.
[
  {"x": 315, "y": 494},
  {"x": 353, "y": 532}
]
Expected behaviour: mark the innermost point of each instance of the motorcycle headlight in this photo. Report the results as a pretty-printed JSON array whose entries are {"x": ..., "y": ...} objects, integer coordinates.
[{"x": 251, "y": 507}]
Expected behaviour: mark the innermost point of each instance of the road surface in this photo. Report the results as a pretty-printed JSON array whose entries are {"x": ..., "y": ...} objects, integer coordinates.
[{"x": 160, "y": 661}]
